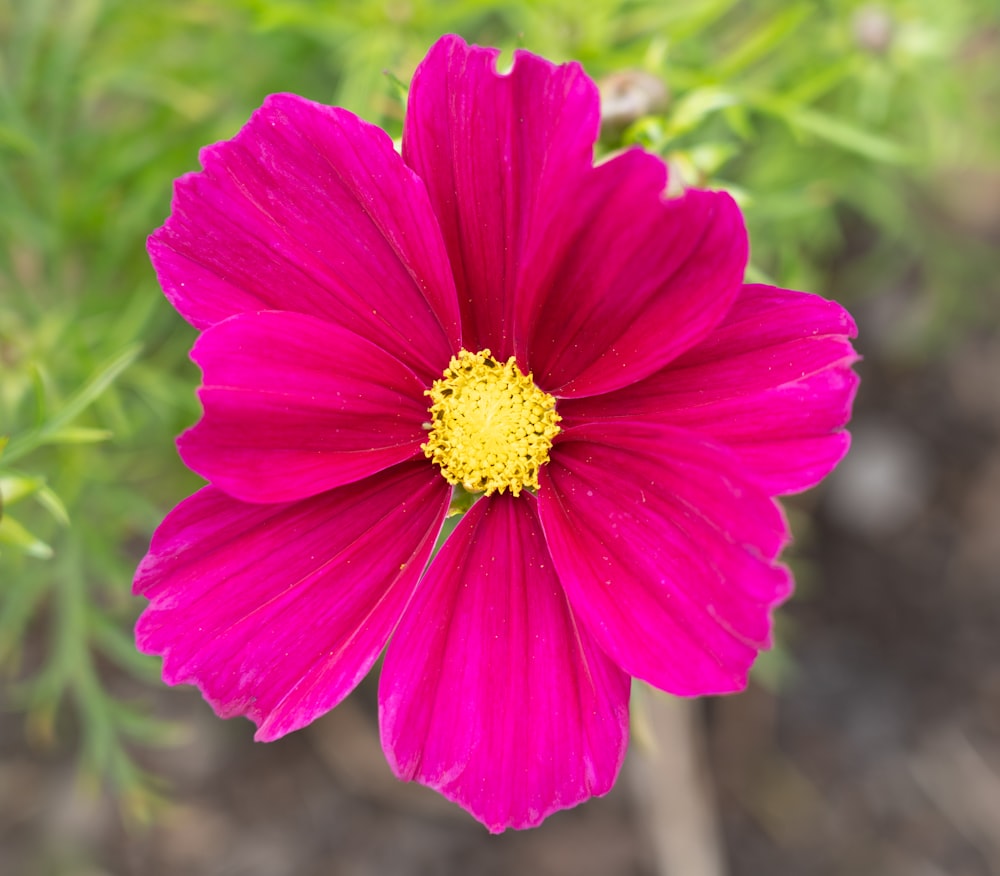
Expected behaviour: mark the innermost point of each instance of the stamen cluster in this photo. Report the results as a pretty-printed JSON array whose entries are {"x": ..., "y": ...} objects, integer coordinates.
[{"x": 491, "y": 427}]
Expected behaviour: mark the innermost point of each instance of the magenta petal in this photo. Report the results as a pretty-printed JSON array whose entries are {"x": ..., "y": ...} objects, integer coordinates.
[
  {"x": 495, "y": 151},
  {"x": 276, "y": 612},
  {"x": 490, "y": 691},
  {"x": 773, "y": 382},
  {"x": 295, "y": 406},
  {"x": 310, "y": 209},
  {"x": 637, "y": 279},
  {"x": 666, "y": 551}
]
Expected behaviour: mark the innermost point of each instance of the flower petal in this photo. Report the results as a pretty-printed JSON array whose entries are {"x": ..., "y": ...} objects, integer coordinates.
[
  {"x": 773, "y": 382},
  {"x": 634, "y": 280},
  {"x": 490, "y": 691},
  {"x": 310, "y": 209},
  {"x": 665, "y": 549},
  {"x": 495, "y": 150},
  {"x": 276, "y": 612},
  {"x": 548, "y": 249},
  {"x": 295, "y": 406}
]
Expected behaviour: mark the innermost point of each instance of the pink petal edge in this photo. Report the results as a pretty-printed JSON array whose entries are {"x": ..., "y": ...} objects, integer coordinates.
[
  {"x": 774, "y": 382},
  {"x": 310, "y": 209},
  {"x": 294, "y": 406},
  {"x": 666, "y": 551},
  {"x": 491, "y": 693},
  {"x": 637, "y": 279},
  {"x": 276, "y": 612},
  {"x": 495, "y": 151}
]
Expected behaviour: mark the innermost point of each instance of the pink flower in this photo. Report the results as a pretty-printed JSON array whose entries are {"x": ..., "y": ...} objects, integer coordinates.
[{"x": 488, "y": 309}]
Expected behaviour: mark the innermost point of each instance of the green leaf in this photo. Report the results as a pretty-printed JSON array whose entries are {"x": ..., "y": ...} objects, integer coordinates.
[
  {"x": 833, "y": 130},
  {"x": 738, "y": 119},
  {"x": 15, "y": 487},
  {"x": 709, "y": 157},
  {"x": 76, "y": 435},
  {"x": 16, "y": 535},
  {"x": 811, "y": 88},
  {"x": 75, "y": 405},
  {"x": 848, "y": 137},
  {"x": 696, "y": 105},
  {"x": 688, "y": 21},
  {"x": 766, "y": 40},
  {"x": 50, "y": 501}
]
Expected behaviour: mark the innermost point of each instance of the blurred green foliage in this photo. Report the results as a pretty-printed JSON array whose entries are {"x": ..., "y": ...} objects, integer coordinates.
[{"x": 860, "y": 138}]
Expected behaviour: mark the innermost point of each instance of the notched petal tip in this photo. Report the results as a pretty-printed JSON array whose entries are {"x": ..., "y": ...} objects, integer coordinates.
[
  {"x": 496, "y": 150},
  {"x": 451, "y": 48}
]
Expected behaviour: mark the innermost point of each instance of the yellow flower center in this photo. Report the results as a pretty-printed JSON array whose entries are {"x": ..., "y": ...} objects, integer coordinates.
[{"x": 491, "y": 427}]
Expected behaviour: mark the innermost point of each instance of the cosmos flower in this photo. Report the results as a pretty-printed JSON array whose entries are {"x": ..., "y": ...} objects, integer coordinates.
[{"x": 489, "y": 316}]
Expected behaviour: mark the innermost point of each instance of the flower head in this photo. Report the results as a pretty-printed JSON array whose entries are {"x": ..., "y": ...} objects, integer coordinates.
[{"x": 493, "y": 311}]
